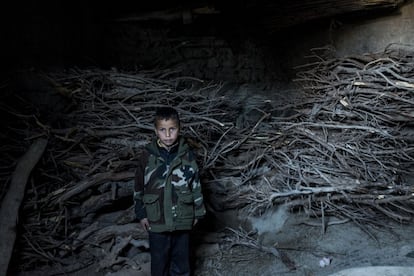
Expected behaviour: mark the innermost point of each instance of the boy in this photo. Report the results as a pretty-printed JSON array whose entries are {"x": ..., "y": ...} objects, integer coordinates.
[{"x": 168, "y": 198}]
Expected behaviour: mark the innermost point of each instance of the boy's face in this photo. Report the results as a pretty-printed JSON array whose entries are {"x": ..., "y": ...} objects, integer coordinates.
[{"x": 167, "y": 131}]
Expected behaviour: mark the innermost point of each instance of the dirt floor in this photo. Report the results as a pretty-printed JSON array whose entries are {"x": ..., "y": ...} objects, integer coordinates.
[
  {"x": 303, "y": 245},
  {"x": 303, "y": 242}
]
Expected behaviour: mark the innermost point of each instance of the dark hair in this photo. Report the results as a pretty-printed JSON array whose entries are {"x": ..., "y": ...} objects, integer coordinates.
[{"x": 166, "y": 113}]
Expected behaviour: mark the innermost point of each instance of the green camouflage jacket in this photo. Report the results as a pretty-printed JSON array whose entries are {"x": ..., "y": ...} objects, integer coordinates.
[{"x": 167, "y": 188}]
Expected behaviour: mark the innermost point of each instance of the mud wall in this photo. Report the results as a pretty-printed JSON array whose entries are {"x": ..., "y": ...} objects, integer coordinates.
[
  {"x": 373, "y": 35},
  {"x": 208, "y": 48},
  {"x": 227, "y": 50}
]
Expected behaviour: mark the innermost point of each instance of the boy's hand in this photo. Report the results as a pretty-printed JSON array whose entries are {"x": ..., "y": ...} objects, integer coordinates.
[
  {"x": 195, "y": 222},
  {"x": 145, "y": 224}
]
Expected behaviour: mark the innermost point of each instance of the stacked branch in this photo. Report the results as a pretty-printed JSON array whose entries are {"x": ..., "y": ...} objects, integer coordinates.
[
  {"x": 349, "y": 146},
  {"x": 342, "y": 150},
  {"x": 80, "y": 202}
]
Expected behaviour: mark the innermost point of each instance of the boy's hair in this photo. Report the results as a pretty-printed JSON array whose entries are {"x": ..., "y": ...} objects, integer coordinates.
[{"x": 166, "y": 113}]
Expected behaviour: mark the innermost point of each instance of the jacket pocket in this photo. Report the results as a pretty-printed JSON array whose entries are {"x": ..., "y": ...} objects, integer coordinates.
[
  {"x": 152, "y": 206},
  {"x": 185, "y": 206}
]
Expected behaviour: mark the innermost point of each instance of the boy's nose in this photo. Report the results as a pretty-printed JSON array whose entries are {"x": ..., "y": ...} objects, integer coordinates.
[{"x": 168, "y": 133}]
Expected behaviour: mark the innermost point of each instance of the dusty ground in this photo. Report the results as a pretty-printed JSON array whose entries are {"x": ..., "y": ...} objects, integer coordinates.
[
  {"x": 345, "y": 244},
  {"x": 302, "y": 241}
]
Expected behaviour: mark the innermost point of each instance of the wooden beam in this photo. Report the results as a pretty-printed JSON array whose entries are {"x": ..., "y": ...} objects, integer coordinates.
[{"x": 277, "y": 15}]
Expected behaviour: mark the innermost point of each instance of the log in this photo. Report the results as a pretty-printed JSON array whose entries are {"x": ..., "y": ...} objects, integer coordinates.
[
  {"x": 94, "y": 180},
  {"x": 11, "y": 202}
]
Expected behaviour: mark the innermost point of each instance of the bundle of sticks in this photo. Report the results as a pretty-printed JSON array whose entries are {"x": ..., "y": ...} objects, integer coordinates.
[{"x": 343, "y": 149}]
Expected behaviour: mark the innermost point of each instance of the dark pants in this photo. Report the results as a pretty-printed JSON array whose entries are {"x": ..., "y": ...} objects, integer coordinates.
[{"x": 170, "y": 253}]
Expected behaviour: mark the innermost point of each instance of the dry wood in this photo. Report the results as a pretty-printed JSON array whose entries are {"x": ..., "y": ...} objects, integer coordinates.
[
  {"x": 95, "y": 180},
  {"x": 240, "y": 237},
  {"x": 341, "y": 151},
  {"x": 9, "y": 211}
]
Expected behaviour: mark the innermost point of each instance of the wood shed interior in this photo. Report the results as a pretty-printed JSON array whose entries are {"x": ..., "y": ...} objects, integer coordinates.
[{"x": 304, "y": 106}]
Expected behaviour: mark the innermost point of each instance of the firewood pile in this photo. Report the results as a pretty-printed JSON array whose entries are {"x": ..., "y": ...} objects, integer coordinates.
[
  {"x": 344, "y": 151},
  {"x": 341, "y": 150}
]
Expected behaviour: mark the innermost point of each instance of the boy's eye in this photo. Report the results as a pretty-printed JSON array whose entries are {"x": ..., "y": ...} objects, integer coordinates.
[{"x": 173, "y": 129}]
